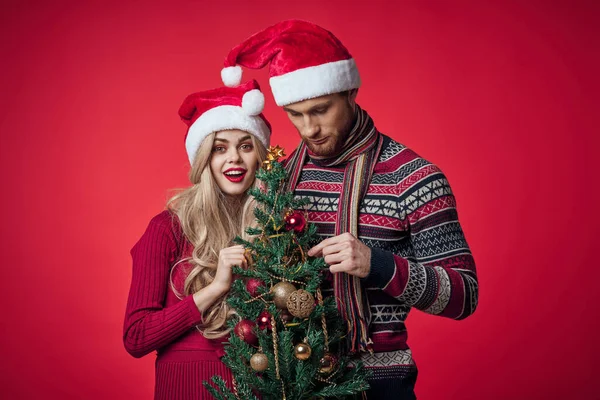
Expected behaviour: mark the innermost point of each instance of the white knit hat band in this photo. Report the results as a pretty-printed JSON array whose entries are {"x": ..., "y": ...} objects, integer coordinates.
[
  {"x": 223, "y": 118},
  {"x": 311, "y": 82}
]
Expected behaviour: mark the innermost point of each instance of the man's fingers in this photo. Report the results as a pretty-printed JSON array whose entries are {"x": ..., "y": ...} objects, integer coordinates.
[
  {"x": 341, "y": 267},
  {"x": 334, "y": 269},
  {"x": 317, "y": 250},
  {"x": 336, "y": 248},
  {"x": 335, "y": 258}
]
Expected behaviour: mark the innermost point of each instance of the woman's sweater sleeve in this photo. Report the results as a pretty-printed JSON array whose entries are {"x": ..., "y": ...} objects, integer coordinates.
[{"x": 149, "y": 325}]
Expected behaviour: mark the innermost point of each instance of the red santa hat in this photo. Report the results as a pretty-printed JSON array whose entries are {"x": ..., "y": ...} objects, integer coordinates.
[
  {"x": 307, "y": 61},
  {"x": 222, "y": 109}
]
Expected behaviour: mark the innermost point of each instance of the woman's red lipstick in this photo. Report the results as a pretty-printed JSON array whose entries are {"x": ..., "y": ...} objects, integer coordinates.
[{"x": 235, "y": 175}]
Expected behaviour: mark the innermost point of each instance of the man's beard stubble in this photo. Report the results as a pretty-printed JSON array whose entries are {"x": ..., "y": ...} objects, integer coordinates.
[
  {"x": 334, "y": 146},
  {"x": 329, "y": 149}
]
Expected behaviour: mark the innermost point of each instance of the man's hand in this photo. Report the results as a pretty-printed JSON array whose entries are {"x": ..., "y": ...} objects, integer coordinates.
[{"x": 344, "y": 253}]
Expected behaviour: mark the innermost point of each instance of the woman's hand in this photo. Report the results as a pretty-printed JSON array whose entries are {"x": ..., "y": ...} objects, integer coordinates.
[{"x": 228, "y": 257}]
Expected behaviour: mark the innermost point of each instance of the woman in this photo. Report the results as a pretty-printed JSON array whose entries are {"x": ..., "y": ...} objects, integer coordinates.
[{"x": 182, "y": 265}]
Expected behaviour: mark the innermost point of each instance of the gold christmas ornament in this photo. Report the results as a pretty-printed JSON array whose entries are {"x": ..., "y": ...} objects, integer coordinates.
[
  {"x": 249, "y": 258},
  {"x": 302, "y": 351},
  {"x": 327, "y": 364},
  {"x": 281, "y": 292},
  {"x": 259, "y": 362},
  {"x": 267, "y": 165},
  {"x": 275, "y": 153},
  {"x": 300, "y": 303},
  {"x": 264, "y": 239}
]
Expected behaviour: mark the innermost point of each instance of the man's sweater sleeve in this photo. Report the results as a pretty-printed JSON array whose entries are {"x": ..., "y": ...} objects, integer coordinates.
[
  {"x": 441, "y": 279},
  {"x": 149, "y": 325}
]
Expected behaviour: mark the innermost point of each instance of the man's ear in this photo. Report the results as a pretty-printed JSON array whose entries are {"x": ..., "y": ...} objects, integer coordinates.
[{"x": 352, "y": 98}]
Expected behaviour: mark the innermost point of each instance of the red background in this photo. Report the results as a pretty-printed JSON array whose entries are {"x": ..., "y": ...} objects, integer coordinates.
[{"x": 503, "y": 96}]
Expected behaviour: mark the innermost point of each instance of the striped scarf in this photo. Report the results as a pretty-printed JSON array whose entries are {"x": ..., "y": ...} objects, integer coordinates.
[{"x": 360, "y": 153}]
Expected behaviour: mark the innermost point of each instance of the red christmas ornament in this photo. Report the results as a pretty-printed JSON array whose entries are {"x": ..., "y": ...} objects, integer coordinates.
[
  {"x": 286, "y": 316},
  {"x": 295, "y": 221},
  {"x": 245, "y": 331},
  {"x": 252, "y": 286},
  {"x": 264, "y": 320},
  {"x": 327, "y": 364}
]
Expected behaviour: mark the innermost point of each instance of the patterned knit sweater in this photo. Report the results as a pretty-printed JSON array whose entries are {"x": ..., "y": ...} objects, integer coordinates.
[{"x": 419, "y": 256}]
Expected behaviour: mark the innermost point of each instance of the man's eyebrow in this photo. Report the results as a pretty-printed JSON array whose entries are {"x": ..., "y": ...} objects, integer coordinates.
[
  {"x": 322, "y": 105},
  {"x": 290, "y": 110},
  {"x": 313, "y": 108}
]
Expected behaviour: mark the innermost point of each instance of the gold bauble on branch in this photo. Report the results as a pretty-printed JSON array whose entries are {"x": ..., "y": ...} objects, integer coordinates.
[
  {"x": 327, "y": 364},
  {"x": 300, "y": 303},
  {"x": 267, "y": 165},
  {"x": 281, "y": 292},
  {"x": 259, "y": 362},
  {"x": 302, "y": 351}
]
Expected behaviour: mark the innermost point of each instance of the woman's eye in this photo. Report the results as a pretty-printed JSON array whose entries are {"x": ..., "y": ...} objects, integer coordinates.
[
  {"x": 218, "y": 149},
  {"x": 246, "y": 146}
]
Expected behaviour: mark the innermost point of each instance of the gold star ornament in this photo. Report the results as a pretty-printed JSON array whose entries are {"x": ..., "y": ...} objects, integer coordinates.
[{"x": 273, "y": 154}]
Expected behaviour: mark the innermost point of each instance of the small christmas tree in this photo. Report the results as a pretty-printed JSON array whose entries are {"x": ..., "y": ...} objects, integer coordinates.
[{"x": 285, "y": 333}]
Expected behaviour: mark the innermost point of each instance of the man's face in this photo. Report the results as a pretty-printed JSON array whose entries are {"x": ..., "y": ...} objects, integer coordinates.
[{"x": 324, "y": 122}]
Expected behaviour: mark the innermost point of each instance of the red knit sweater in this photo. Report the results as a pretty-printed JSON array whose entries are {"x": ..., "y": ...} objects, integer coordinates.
[{"x": 156, "y": 319}]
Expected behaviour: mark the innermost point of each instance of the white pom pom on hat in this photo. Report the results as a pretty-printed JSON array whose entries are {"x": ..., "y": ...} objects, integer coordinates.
[
  {"x": 253, "y": 102},
  {"x": 231, "y": 76}
]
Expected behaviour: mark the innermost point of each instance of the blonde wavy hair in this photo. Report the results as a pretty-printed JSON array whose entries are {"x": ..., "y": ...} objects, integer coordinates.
[{"x": 199, "y": 207}]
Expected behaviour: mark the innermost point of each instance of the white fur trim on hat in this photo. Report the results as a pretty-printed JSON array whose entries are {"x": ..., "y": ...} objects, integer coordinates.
[
  {"x": 231, "y": 76},
  {"x": 253, "y": 102},
  {"x": 311, "y": 82},
  {"x": 222, "y": 118}
]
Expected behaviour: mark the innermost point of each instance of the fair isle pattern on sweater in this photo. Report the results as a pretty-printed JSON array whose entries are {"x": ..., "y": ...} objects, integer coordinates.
[{"x": 420, "y": 257}]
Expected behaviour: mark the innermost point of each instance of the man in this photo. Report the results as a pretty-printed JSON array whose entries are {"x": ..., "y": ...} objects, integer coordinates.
[{"x": 388, "y": 216}]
